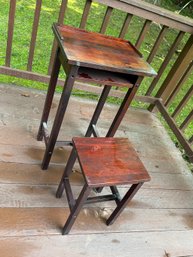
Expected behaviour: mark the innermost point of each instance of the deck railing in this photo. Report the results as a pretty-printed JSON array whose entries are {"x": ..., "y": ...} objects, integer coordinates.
[{"x": 171, "y": 92}]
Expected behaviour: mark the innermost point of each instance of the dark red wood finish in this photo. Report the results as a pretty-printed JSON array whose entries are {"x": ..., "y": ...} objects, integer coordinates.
[
  {"x": 105, "y": 77},
  {"x": 104, "y": 162},
  {"x": 95, "y": 50},
  {"x": 109, "y": 161},
  {"x": 91, "y": 57}
]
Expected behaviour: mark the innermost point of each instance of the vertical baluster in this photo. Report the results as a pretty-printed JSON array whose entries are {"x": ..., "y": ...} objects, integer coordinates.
[
  {"x": 106, "y": 19},
  {"x": 175, "y": 129},
  {"x": 63, "y": 8},
  {"x": 125, "y": 25},
  {"x": 157, "y": 44},
  {"x": 165, "y": 62},
  {"x": 34, "y": 34},
  {"x": 183, "y": 102},
  {"x": 85, "y": 14},
  {"x": 10, "y": 32},
  {"x": 191, "y": 140},
  {"x": 180, "y": 83},
  {"x": 142, "y": 34},
  {"x": 187, "y": 120}
]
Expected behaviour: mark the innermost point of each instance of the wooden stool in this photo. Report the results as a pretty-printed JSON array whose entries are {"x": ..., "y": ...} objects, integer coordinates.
[{"x": 104, "y": 162}]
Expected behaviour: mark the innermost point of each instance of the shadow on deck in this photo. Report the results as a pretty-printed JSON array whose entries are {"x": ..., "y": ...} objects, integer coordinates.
[{"x": 158, "y": 221}]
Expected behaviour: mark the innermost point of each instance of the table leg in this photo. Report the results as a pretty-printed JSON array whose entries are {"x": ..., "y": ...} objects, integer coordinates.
[
  {"x": 98, "y": 109},
  {"x": 50, "y": 95},
  {"x": 122, "y": 110},
  {"x": 122, "y": 204},
  {"x": 59, "y": 115}
]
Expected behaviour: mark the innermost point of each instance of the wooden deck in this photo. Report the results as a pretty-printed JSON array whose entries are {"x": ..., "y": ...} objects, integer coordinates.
[{"x": 157, "y": 223}]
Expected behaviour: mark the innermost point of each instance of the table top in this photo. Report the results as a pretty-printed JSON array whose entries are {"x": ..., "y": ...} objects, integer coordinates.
[
  {"x": 107, "y": 161},
  {"x": 98, "y": 51}
]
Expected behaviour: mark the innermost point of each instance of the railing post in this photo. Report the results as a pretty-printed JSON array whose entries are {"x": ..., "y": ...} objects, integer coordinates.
[{"x": 177, "y": 70}]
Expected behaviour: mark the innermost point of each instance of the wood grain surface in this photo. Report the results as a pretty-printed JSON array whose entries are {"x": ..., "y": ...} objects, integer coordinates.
[
  {"x": 109, "y": 161},
  {"x": 95, "y": 50}
]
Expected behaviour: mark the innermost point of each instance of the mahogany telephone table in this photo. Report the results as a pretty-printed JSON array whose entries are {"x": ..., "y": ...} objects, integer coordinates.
[{"x": 91, "y": 57}]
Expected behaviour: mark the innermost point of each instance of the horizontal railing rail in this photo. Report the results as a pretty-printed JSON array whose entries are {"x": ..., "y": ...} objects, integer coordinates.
[{"x": 164, "y": 37}]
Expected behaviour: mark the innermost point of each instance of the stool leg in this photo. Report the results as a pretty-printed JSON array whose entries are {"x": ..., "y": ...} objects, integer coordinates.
[
  {"x": 50, "y": 95},
  {"x": 98, "y": 109},
  {"x": 128, "y": 196},
  {"x": 76, "y": 209},
  {"x": 59, "y": 116},
  {"x": 67, "y": 171}
]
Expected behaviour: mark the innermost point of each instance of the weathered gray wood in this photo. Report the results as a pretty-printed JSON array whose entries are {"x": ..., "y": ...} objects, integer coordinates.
[
  {"x": 157, "y": 151},
  {"x": 28, "y": 205},
  {"x": 17, "y": 173},
  {"x": 29, "y": 155},
  {"x": 170, "y": 181},
  {"x": 165, "y": 165},
  {"x": 44, "y": 196},
  {"x": 159, "y": 219},
  {"x": 49, "y": 221},
  {"x": 146, "y": 244},
  {"x": 32, "y": 154}
]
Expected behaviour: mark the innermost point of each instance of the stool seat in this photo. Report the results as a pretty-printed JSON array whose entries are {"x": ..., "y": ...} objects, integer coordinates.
[{"x": 109, "y": 161}]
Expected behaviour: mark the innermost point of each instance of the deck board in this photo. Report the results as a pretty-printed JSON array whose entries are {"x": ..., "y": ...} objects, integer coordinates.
[
  {"x": 158, "y": 221},
  {"x": 19, "y": 173},
  {"x": 146, "y": 244},
  {"x": 44, "y": 196},
  {"x": 49, "y": 221}
]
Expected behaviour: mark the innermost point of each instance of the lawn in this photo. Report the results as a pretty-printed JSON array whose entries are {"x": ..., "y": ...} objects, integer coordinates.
[{"x": 49, "y": 14}]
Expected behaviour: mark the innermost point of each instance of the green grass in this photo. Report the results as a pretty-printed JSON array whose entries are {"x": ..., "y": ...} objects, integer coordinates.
[{"x": 49, "y": 13}]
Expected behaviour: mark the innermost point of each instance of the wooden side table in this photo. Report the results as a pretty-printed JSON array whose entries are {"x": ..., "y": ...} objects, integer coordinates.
[{"x": 91, "y": 57}]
